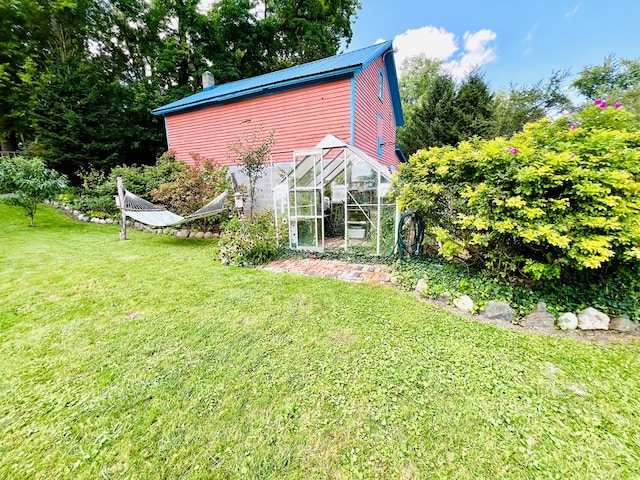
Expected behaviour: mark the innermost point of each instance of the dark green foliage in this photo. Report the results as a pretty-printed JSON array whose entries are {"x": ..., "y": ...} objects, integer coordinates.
[
  {"x": 78, "y": 79},
  {"x": 26, "y": 182},
  {"x": 617, "y": 294},
  {"x": 98, "y": 189},
  {"x": 438, "y": 112},
  {"x": 474, "y": 108}
]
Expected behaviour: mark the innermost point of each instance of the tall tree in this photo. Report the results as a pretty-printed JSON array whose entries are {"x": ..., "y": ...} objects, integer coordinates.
[
  {"x": 474, "y": 108},
  {"x": 615, "y": 81},
  {"x": 520, "y": 105}
]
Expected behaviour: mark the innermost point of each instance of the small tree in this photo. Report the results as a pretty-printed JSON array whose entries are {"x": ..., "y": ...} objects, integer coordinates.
[
  {"x": 251, "y": 151},
  {"x": 26, "y": 182}
]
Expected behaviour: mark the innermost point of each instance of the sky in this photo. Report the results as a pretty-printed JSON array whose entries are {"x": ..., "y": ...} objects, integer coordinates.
[{"x": 516, "y": 41}]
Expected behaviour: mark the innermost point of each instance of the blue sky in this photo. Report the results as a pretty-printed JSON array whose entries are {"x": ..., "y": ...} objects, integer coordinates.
[{"x": 512, "y": 41}]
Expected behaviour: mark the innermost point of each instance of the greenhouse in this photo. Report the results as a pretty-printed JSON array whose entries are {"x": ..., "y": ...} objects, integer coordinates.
[{"x": 336, "y": 196}]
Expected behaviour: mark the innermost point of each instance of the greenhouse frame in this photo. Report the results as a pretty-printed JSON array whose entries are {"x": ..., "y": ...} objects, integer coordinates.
[{"x": 336, "y": 196}]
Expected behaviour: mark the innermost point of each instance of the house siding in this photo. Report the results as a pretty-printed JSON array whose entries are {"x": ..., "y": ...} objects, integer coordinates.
[
  {"x": 300, "y": 118},
  {"x": 368, "y": 108}
]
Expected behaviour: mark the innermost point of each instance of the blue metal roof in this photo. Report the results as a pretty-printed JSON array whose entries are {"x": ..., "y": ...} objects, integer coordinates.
[{"x": 345, "y": 64}]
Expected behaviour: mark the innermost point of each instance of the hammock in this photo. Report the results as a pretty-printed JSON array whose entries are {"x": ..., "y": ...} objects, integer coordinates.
[{"x": 146, "y": 212}]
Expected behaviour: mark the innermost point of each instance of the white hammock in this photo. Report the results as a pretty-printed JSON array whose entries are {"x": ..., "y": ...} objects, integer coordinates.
[{"x": 146, "y": 212}]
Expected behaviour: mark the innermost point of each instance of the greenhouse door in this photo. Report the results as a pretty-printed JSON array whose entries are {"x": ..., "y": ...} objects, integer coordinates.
[{"x": 306, "y": 216}]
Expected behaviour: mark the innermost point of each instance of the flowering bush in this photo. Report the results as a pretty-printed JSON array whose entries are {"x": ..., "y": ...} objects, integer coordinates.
[
  {"x": 249, "y": 242},
  {"x": 192, "y": 187},
  {"x": 560, "y": 197}
]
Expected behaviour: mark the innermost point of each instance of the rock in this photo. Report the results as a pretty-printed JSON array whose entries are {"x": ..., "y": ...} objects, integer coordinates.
[
  {"x": 444, "y": 298},
  {"x": 208, "y": 235},
  {"x": 622, "y": 324},
  {"x": 567, "y": 321},
  {"x": 95, "y": 220},
  {"x": 539, "y": 318},
  {"x": 592, "y": 319},
  {"x": 421, "y": 286},
  {"x": 464, "y": 303},
  {"x": 102, "y": 221},
  {"x": 540, "y": 307},
  {"x": 182, "y": 233},
  {"x": 499, "y": 310},
  {"x": 199, "y": 235}
]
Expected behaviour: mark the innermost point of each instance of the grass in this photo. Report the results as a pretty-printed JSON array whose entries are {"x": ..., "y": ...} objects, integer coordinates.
[{"x": 147, "y": 359}]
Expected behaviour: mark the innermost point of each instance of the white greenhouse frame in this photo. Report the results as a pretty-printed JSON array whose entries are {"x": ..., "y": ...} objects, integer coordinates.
[{"x": 337, "y": 180}]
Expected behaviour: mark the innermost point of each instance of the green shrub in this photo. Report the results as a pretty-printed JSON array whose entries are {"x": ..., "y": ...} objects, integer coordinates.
[
  {"x": 616, "y": 294},
  {"x": 559, "y": 198},
  {"x": 98, "y": 188},
  {"x": 245, "y": 242},
  {"x": 26, "y": 182}
]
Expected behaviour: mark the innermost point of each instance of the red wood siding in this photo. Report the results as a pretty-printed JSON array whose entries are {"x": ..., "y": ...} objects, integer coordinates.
[
  {"x": 368, "y": 107},
  {"x": 300, "y": 118}
]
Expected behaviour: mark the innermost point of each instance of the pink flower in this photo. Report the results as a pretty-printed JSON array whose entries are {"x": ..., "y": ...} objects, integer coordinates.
[
  {"x": 513, "y": 150},
  {"x": 603, "y": 104},
  {"x": 572, "y": 155},
  {"x": 573, "y": 127},
  {"x": 313, "y": 256},
  {"x": 617, "y": 105},
  {"x": 598, "y": 102}
]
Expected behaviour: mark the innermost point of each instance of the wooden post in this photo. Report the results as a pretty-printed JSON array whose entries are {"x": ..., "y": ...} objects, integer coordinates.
[{"x": 121, "y": 205}]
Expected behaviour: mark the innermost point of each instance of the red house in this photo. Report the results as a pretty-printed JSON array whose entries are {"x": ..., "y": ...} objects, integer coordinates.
[
  {"x": 353, "y": 96},
  {"x": 334, "y": 121}
]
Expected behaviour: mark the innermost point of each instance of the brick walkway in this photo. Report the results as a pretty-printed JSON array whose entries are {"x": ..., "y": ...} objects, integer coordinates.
[{"x": 351, "y": 272}]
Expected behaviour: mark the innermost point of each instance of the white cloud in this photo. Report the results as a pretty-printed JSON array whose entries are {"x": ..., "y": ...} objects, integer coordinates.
[
  {"x": 530, "y": 33},
  {"x": 572, "y": 12},
  {"x": 429, "y": 41},
  {"x": 440, "y": 44}
]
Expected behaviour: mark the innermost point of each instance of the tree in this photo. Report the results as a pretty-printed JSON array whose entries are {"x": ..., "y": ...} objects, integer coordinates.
[
  {"x": 433, "y": 121},
  {"x": 474, "y": 108},
  {"x": 615, "y": 81},
  {"x": 251, "y": 151},
  {"x": 26, "y": 182},
  {"x": 437, "y": 111},
  {"x": 518, "y": 106}
]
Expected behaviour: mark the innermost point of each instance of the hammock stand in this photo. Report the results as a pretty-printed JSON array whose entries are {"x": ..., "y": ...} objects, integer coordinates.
[{"x": 139, "y": 209}]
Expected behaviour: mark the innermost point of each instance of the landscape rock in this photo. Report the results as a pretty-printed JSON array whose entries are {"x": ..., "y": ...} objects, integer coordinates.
[
  {"x": 567, "y": 321},
  {"x": 464, "y": 303},
  {"x": 444, "y": 298},
  {"x": 499, "y": 310},
  {"x": 539, "y": 318},
  {"x": 592, "y": 319},
  {"x": 182, "y": 233},
  {"x": 421, "y": 286},
  {"x": 622, "y": 324},
  {"x": 208, "y": 235},
  {"x": 199, "y": 235}
]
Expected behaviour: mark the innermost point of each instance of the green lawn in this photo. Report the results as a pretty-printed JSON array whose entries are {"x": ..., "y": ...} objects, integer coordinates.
[{"x": 147, "y": 359}]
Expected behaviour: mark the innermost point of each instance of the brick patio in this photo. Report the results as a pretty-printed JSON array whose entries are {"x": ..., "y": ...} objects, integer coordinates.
[{"x": 351, "y": 272}]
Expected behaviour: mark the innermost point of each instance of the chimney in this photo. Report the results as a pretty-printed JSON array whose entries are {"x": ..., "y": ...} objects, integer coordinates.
[{"x": 208, "y": 81}]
